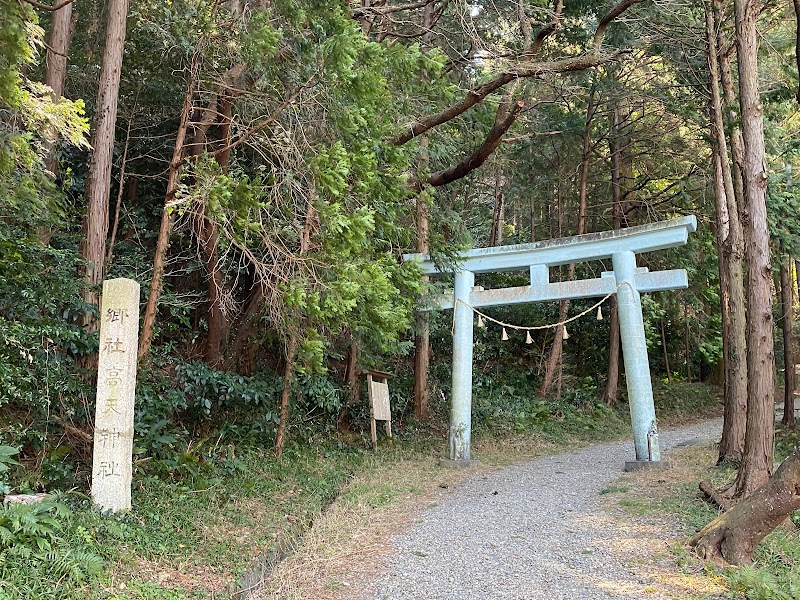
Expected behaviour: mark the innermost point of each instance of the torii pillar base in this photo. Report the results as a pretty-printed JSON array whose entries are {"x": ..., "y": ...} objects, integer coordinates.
[
  {"x": 645, "y": 465},
  {"x": 449, "y": 463}
]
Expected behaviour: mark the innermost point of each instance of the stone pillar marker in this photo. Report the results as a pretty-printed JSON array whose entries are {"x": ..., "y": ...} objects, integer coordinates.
[{"x": 116, "y": 387}]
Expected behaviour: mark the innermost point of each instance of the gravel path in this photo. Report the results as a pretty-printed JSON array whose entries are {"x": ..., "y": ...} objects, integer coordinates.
[{"x": 533, "y": 531}]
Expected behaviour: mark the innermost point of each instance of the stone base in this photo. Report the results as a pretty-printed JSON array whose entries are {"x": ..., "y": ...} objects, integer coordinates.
[
  {"x": 449, "y": 463},
  {"x": 641, "y": 465}
]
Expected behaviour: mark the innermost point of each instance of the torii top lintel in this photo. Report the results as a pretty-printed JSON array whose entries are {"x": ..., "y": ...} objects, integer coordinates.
[{"x": 562, "y": 251}]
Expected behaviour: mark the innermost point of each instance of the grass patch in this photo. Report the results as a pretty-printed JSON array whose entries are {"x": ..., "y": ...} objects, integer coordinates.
[
  {"x": 775, "y": 574},
  {"x": 615, "y": 489}
]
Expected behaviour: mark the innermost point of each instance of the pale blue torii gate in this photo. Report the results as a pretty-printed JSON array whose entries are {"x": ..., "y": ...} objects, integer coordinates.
[{"x": 626, "y": 280}]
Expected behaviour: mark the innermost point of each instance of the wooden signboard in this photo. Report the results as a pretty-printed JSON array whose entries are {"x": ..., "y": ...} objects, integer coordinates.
[{"x": 379, "y": 407}]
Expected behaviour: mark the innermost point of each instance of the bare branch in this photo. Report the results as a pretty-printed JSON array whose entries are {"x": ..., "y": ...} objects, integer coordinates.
[{"x": 535, "y": 134}]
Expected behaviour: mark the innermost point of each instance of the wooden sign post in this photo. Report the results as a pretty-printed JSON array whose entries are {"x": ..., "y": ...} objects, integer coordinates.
[{"x": 379, "y": 407}]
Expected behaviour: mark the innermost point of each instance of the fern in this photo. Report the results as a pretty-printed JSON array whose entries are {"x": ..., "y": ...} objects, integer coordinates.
[
  {"x": 36, "y": 524},
  {"x": 758, "y": 584}
]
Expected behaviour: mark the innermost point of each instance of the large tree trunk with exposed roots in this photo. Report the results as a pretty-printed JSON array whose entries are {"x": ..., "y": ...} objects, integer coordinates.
[{"x": 733, "y": 536}]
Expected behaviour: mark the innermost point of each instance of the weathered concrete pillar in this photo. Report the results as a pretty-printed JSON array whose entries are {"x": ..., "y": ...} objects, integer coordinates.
[
  {"x": 461, "y": 411},
  {"x": 637, "y": 366},
  {"x": 116, "y": 387}
]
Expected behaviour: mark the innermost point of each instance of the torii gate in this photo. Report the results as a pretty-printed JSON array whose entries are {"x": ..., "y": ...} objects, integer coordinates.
[{"x": 626, "y": 280}]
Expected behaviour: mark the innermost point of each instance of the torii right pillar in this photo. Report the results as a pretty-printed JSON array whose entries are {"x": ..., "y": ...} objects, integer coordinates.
[{"x": 637, "y": 367}]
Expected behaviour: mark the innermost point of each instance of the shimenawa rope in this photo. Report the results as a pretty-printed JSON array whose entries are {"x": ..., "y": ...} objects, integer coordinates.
[{"x": 539, "y": 327}]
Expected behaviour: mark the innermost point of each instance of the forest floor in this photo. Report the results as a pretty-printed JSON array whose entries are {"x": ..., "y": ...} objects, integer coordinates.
[
  {"x": 556, "y": 527},
  {"x": 548, "y": 513}
]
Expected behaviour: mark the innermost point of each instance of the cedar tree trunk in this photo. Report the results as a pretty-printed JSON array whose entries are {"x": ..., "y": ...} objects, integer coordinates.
[
  {"x": 756, "y": 464},
  {"x": 732, "y": 294},
  {"x": 55, "y": 73},
  {"x": 787, "y": 325},
  {"x": 98, "y": 180}
]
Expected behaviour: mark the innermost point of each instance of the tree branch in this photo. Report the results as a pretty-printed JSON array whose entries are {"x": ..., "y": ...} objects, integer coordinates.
[
  {"x": 47, "y": 7},
  {"x": 620, "y": 8},
  {"x": 547, "y": 30},
  {"x": 363, "y": 11},
  {"x": 481, "y": 153},
  {"x": 522, "y": 71}
]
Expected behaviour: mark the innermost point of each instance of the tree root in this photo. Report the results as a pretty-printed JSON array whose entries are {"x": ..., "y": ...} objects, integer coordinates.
[{"x": 720, "y": 499}]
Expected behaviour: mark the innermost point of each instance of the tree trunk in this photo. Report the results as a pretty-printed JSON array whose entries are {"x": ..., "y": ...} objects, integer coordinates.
[
  {"x": 686, "y": 349},
  {"x": 209, "y": 237},
  {"x": 664, "y": 350},
  {"x": 555, "y": 361},
  {"x": 245, "y": 326},
  {"x": 422, "y": 353},
  {"x": 612, "y": 375},
  {"x": 733, "y": 536},
  {"x": 797, "y": 42},
  {"x": 98, "y": 180},
  {"x": 288, "y": 371},
  {"x": 499, "y": 213},
  {"x": 551, "y": 368},
  {"x": 729, "y": 225},
  {"x": 787, "y": 324},
  {"x": 422, "y": 335},
  {"x": 162, "y": 243},
  {"x": 55, "y": 73},
  {"x": 611, "y": 390},
  {"x": 532, "y": 207},
  {"x": 756, "y": 464},
  {"x": 120, "y": 191},
  {"x": 731, "y": 109}
]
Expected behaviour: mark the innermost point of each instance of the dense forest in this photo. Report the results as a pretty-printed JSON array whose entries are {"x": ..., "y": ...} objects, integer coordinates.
[{"x": 260, "y": 168}]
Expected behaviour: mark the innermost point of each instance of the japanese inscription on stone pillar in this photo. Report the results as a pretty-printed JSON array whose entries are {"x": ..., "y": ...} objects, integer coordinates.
[{"x": 116, "y": 386}]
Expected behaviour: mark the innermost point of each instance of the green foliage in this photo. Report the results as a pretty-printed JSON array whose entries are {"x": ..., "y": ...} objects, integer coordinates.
[
  {"x": 759, "y": 584},
  {"x": 37, "y": 557},
  {"x": 6, "y": 458},
  {"x": 27, "y": 114},
  {"x": 39, "y": 338}
]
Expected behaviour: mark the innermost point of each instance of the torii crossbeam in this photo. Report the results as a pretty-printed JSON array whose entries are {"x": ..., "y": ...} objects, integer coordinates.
[{"x": 621, "y": 246}]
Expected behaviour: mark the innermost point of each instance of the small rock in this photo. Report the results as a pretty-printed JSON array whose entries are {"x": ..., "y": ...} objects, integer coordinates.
[{"x": 25, "y": 498}]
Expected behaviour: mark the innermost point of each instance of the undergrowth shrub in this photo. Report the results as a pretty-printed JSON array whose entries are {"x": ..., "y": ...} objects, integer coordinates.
[{"x": 37, "y": 558}]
